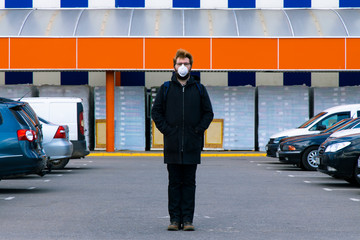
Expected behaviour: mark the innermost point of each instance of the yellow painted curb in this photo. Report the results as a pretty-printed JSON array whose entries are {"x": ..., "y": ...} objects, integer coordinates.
[{"x": 161, "y": 155}]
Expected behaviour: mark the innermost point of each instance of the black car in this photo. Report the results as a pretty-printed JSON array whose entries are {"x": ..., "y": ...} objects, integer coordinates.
[
  {"x": 21, "y": 151},
  {"x": 302, "y": 150},
  {"x": 339, "y": 157}
]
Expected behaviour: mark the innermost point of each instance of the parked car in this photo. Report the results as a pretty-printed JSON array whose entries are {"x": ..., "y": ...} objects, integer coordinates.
[
  {"x": 64, "y": 110},
  {"x": 302, "y": 150},
  {"x": 56, "y": 143},
  {"x": 339, "y": 156},
  {"x": 315, "y": 125},
  {"x": 21, "y": 151}
]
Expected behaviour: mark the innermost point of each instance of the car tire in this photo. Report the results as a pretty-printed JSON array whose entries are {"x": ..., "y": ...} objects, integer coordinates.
[
  {"x": 308, "y": 159},
  {"x": 58, "y": 164},
  {"x": 356, "y": 176}
]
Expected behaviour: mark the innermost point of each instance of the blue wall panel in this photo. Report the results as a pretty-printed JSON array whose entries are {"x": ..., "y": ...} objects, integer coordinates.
[
  {"x": 297, "y": 3},
  {"x": 130, "y": 3},
  {"x": 74, "y": 3},
  {"x": 297, "y": 78},
  {"x": 18, "y": 4},
  {"x": 241, "y": 78},
  {"x": 186, "y": 3},
  {"x": 241, "y": 3},
  {"x": 349, "y": 79},
  {"x": 349, "y": 3},
  {"x": 18, "y": 78},
  {"x": 132, "y": 79},
  {"x": 74, "y": 78}
]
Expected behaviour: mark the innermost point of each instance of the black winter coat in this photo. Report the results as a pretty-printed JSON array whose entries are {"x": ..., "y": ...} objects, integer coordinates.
[{"x": 182, "y": 115}]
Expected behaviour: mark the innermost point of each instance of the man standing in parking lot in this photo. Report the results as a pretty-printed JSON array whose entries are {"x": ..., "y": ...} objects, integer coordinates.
[{"x": 182, "y": 111}]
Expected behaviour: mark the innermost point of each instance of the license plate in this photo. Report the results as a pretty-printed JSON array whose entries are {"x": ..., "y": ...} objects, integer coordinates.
[{"x": 317, "y": 160}]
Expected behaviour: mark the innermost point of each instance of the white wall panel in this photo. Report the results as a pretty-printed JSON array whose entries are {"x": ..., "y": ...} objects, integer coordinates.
[
  {"x": 269, "y": 79},
  {"x": 2, "y": 78},
  {"x": 158, "y": 3},
  {"x": 213, "y": 4},
  {"x": 50, "y": 78},
  {"x": 97, "y": 79},
  {"x": 325, "y": 79},
  {"x": 214, "y": 78},
  {"x": 269, "y": 3},
  {"x": 46, "y": 4},
  {"x": 325, "y": 3},
  {"x": 101, "y": 4},
  {"x": 155, "y": 79}
]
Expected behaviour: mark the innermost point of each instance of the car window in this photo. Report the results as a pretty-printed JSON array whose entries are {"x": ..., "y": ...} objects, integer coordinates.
[
  {"x": 330, "y": 120},
  {"x": 17, "y": 114},
  {"x": 339, "y": 125}
]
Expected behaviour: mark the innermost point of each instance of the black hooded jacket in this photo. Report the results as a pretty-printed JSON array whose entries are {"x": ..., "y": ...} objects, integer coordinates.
[{"x": 182, "y": 114}]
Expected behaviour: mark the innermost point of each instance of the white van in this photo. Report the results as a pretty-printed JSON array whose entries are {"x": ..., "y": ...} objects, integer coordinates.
[
  {"x": 64, "y": 111},
  {"x": 315, "y": 125}
]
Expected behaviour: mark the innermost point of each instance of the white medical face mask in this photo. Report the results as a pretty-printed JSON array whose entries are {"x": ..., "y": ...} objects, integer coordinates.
[{"x": 183, "y": 71}]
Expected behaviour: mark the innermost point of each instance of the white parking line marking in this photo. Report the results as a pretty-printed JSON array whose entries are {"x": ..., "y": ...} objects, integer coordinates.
[
  {"x": 339, "y": 189},
  {"x": 307, "y": 181},
  {"x": 307, "y": 176},
  {"x": 47, "y": 180},
  {"x": 355, "y": 199},
  {"x": 80, "y": 161},
  {"x": 59, "y": 175},
  {"x": 9, "y": 198},
  {"x": 31, "y": 188},
  {"x": 70, "y": 170}
]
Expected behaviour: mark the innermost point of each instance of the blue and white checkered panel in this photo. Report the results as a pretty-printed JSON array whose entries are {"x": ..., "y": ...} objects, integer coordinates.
[
  {"x": 151, "y": 79},
  {"x": 179, "y": 3}
]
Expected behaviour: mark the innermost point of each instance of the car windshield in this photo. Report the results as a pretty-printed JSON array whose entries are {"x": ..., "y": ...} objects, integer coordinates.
[
  {"x": 311, "y": 120},
  {"x": 43, "y": 120}
]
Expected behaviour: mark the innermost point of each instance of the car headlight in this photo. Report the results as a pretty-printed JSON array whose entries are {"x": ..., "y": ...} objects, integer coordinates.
[
  {"x": 277, "y": 140},
  {"x": 337, "y": 146}
]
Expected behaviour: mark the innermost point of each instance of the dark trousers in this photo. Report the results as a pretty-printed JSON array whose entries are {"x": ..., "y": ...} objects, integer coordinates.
[{"x": 181, "y": 192}]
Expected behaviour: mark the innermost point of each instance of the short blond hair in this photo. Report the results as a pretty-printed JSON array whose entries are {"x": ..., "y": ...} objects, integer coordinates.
[{"x": 181, "y": 53}]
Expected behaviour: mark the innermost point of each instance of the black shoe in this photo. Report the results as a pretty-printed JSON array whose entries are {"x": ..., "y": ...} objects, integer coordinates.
[
  {"x": 174, "y": 226},
  {"x": 188, "y": 226}
]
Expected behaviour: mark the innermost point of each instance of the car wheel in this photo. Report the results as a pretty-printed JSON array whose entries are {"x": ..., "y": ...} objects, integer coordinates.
[
  {"x": 58, "y": 164},
  {"x": 356, "y": 176},
  {"x": 308, "y": 161}
]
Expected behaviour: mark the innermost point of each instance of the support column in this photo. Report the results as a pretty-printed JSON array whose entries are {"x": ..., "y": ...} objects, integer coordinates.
[
  {"x": 118, "y": 79},
  {"x": 110, "y": 116}
]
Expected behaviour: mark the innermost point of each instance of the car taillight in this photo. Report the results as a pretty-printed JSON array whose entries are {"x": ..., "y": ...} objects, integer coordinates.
[
  {"x": 26, "y": 135},
  {"x": 60, "y": 133},
  {"x": 81, "y": 123}
]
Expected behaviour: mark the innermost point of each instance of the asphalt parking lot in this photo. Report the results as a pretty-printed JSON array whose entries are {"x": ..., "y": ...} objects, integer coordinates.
[{"x": 126, "y": 198}]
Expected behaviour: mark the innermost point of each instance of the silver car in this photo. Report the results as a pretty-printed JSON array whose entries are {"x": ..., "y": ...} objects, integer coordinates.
[{"x": 56, "y": 144}]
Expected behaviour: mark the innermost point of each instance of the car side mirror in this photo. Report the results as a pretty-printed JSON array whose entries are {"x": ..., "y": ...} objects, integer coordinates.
[{"x": 320, "y": 127}]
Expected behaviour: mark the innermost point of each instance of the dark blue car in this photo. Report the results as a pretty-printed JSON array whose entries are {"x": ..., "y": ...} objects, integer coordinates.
[
  {"x": 302, "y": 150},
  {"x": 21, "y": 152},
  {"x": 339, "y": 157}
]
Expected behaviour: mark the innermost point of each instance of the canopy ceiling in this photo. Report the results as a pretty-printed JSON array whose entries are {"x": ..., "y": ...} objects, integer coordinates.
[{"x": 180, "y": 23}]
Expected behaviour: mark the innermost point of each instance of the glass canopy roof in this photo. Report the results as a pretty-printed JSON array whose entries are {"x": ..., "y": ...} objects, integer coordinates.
[{"x": 180, "y": 22}]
